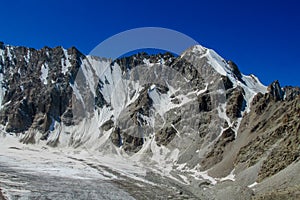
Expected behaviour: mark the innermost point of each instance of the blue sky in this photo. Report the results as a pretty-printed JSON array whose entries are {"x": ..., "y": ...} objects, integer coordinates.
[{"x": 262, "y": 37}]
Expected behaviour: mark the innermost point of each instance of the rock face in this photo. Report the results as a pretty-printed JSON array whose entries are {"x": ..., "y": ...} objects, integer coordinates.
[
  {"x": 275, "y": 133},
  {"x": 36, "y": 86},
  {"x": 236, "y": 103},
  {"x": 195, "y": 110}
]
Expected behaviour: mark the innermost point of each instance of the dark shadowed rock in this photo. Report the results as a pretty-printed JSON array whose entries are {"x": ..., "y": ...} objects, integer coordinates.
[
  {"x": 235, "y": 69},
  {"x": 2, "y": 46},
  {"x": 205, "y": 104},
  {"x": 227, "y": 82},
  {"x": 107, "y": 125},
  {"x": 235, "y": 103},
  {"x": 165, "y": 135},
  {"x": 275, "y": 91}
]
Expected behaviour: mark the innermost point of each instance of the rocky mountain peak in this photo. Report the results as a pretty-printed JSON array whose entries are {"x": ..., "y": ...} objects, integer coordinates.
[
  {"x": 144, "y": 58},
  {"x": 276, "y": 91},
  {"x": 291, "y": 92}
]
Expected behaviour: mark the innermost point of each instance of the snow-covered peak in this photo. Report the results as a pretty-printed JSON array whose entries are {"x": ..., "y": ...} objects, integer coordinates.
[
  {"x": 194, "y": 50},
  {"x": 65, "y": 63},
  {"x": 205, "y": 59},
  {"x": 199, "y": 49},
  {"x": 225, "y": 68},
  {"x": 229, "y": 69}
]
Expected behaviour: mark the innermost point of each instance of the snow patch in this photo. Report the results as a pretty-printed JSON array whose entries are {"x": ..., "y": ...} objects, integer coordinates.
[
  {"x": 216, "y": 62},
  {"x": 252, "y": 185},
  {"x": 147, "y": 61},
  {"x": 44, "y": 73},
  {"x": 230, "y": 177},
  {"x": 197, "y": 174},
  {"x": 27, "y": 57},
  {"x": 9, "y": 54},
  {"x": 2, "y": 90},
  {"x": 77, "y": 93},
  {"x": 65, "y": 63},
  {"x": 251, "y": 86}
]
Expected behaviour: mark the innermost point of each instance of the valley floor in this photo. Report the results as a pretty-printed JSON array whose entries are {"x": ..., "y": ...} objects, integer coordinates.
[
  {"x": 35, "y": 172},
  {"x": 40, "y": 172}
]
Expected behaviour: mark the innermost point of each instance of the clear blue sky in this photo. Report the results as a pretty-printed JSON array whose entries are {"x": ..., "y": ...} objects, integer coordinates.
[{"x": 262, "y": 37}]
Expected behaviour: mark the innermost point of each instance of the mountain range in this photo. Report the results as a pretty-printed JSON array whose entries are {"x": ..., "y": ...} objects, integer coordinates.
[{"x": 159, "y": 126}]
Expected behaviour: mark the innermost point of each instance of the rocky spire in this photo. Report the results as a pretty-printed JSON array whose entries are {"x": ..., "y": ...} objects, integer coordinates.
[{"x": 275, "y": 91}]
